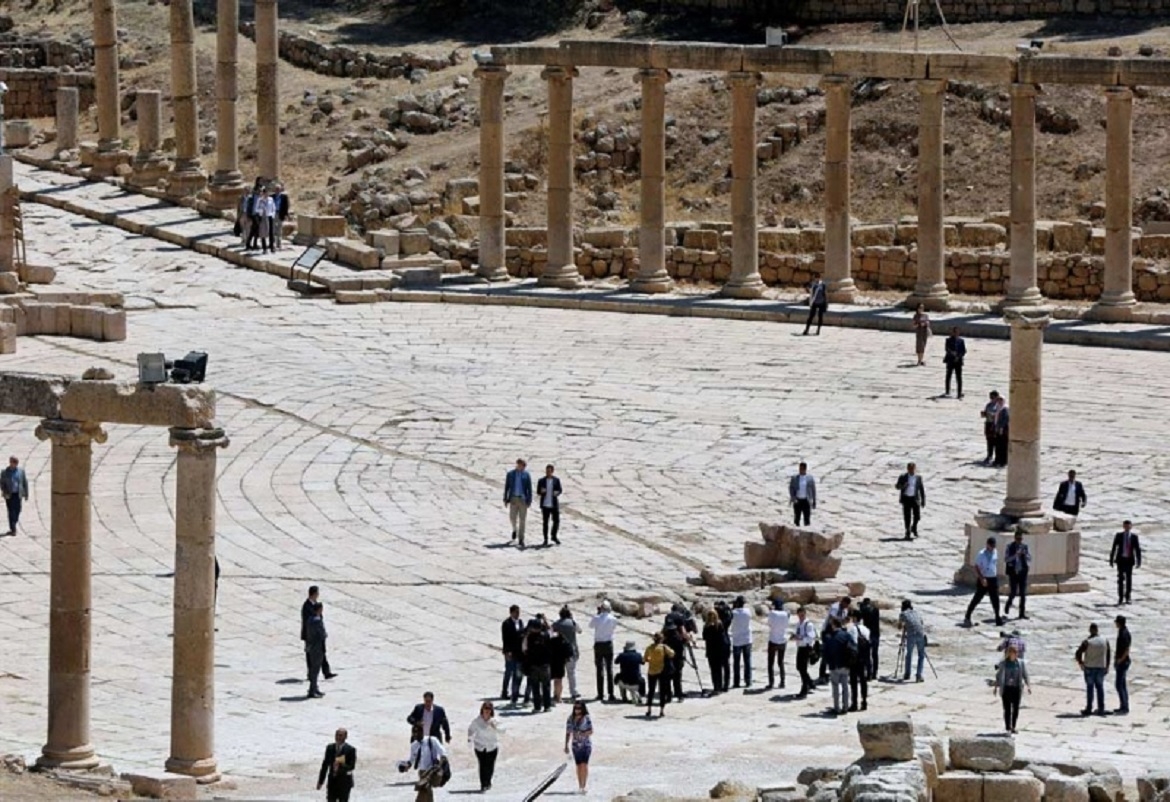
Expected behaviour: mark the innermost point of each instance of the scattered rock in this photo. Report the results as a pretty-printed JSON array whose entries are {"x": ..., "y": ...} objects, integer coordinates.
[{"x": 732, "y": 789}]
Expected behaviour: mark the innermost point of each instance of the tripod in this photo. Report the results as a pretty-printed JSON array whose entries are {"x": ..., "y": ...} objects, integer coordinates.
[
  {"x": 898, "y": 666},
  {"x": 912, "y": 14}
]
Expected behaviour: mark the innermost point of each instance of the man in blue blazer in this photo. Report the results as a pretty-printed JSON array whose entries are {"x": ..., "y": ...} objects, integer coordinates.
[
  {"x": 518, "y": 498},
  {"x": 548, "y": 490}
]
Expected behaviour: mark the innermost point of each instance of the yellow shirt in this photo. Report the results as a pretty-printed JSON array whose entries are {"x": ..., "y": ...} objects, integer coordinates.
[{"x": 656, "y": 657}]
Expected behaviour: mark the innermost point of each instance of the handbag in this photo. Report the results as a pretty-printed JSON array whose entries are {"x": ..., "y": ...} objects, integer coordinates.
[
  {"x": 814, "y": 656},
  {"x": 444, "y": 772}
]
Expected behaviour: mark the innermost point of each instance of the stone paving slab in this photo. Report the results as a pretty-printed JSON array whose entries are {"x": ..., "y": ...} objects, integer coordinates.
[{"x": 368, "y": 447}]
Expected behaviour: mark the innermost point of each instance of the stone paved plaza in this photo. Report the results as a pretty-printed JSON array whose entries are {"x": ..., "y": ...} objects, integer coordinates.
[{"x": 368, "y": 450}]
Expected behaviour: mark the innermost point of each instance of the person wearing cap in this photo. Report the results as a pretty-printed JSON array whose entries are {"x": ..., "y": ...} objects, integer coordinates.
[
  {"x": 777, "y": 640},
  {"x": 1126, "y": 553},
  {"x": 630, "y": 678},
  {"x": 604, "y": 624},
  {"x": 988, "y": 414},
  {"x": 741, "y": 642},
  {"x": 914, "y": 635},
  {"x": 986, "y": 582},
  {"x": 1121, "y": 663}
]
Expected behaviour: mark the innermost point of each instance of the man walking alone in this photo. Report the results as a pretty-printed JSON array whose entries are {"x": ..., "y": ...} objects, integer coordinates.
[
  {"x": 1121, "y": 663},
  {"x": 14, "y": 485},
  {"x": 956, "y": 352},
  {"x": 1126, "y": 553},
  {"x": 987, "y": 582},
  {"x": 912, "y": 495}
]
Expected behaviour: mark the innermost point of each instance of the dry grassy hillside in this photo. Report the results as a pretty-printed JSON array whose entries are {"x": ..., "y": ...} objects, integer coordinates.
[{"x": 1070, "y": 176}]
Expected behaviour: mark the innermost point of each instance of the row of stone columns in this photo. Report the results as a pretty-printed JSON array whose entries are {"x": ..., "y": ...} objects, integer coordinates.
[
  {"x": 71, "y": 607},
  {"x": 930, "y": 287},
  {"x": 186, "y": 176}
]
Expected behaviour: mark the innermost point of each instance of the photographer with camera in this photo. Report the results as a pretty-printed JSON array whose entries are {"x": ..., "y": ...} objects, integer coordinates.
[
  {"x": 913, "y": 638},
  {"x": 678, "y": 634},
  {"x": 604, "y": 624}
]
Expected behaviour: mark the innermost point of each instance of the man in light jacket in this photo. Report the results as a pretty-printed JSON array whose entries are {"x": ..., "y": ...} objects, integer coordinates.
[{"x": 802, "y": 494}]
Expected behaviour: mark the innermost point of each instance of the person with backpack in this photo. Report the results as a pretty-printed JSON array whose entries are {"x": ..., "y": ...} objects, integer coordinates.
[
  {"x": 1011, "y": 677},
  {"x": 429, "y": 758},
  {"x": 859, "y": 667},
  {"x": 839, "y": 652}
]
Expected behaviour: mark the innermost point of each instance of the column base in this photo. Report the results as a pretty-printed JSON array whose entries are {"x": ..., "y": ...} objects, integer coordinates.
[
  {"x": 204, "y": 771},
  {"x": 77, "y": 758},
  {"x": 747, "y": 289},
  {"x": 105, "y": 163},
  {"x": 226, "y": 189},
  {"x": 561, "y": 278},
  {"x": 1113, "y": 308},
  {"x": 493, "y": 273},
  {"x": 655, "y": 285},
  {"x": 1027, "y": 297},
  {"x": 1054, "y": 543},
  {"x": 841, "y": 291},
  {"x": 148, "y": 171},
  {"x": 1022, "y": 508},
  {"x": 933, "y": 297},
  {"x": 182, "y": 183}
]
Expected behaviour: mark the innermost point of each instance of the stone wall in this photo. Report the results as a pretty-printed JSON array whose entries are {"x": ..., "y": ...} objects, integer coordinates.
[
  {"x": 33, "y": 93},
  {"x": 825, "y": 11},
  {"x": 342, "y": 61},
  {"x": 32, "y": 55},
  {"x": 1070, "y": 266}
]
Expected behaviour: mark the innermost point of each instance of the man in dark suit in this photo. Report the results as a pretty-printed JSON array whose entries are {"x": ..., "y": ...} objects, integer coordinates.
[
  {"x": 1126, "y": 554},
  {"x": 337, "y": 767},
  {"x": 306, "y": 614},
  {"x": 1001, "y": 427},
  {"x": 1070, "y": 496},
  {"x": 431, "y": 717},
  {"x": 988, "y": 414},
  {"x": 912, "y": 494},
  {"x": 956, "y": 352},
  {"x": 1017, "y": 561},
  {"x": 802, "y": 494},
  {"x": 315, "y": 647},
  {"x": 518, "y": 498},
  {"x": 548, "y": 490},
  {"x": 512, "y": 641}
]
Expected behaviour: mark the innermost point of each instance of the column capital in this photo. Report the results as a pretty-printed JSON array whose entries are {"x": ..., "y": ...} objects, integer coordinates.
[
  {"x": 70, "y": 432},
  {"x": 554, "y": 72},
  {"x": 836, "y": 82},
  {"x": 1118, "y": 94},
  {"x": 739, "y": 78},
  {"x": 491, "y": 72},
  {"x": 652, "y": 74},
  {"x": 198, "y": 441},
  {"x": 1024, "y": 90},
  {"x": 1028, "y": 317},
  {"x": 931, "y": 86}
]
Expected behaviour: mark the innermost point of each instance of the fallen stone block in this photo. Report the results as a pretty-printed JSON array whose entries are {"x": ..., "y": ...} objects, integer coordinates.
[
  {"x": 38, "y": 274},
  {"x": 420, "y": 276},
  {"x": 1011, "y": 788},
  {"x": 1105, "y": 785},
  {"x": 1058, "y": 788},
  {"x": 887, "y": 738},
  {"x": 7, "y": 338},
  {"x": 355, "y": 254},
  {"x": 959, "y": 786},
  {"x": 162, "y": 785},
  {"x": 385, "y": 240},
  {"x": 982, "y": 752},
  {"x": 9, "y": 283},
  {"x": 414, "y": 241},
  {"x": 734, "y": 582},
  {"x": 1063, "y": 523},
  {"x": 1150, "y": 786},
  {"x": 113, "y": 325}
]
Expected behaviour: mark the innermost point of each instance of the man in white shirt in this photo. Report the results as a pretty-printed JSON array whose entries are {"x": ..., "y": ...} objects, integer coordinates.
[
  {"x": 604, "y": 624},
  {"x": 912, "y": 495},
  {"x": 802, "y": 494},
  {"x": 777, "y": 640},
  {"x": 548, "y": 490},
  {"x": 987, "y": 582},
  {"x": 741, "y": 642},
  {"x": 859, "y": 671},
  {"x": 805, "y": 636},
  {"x": 426, "y": 755}
]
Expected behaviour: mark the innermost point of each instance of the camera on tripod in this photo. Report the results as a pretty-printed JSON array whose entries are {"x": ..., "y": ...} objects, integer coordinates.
[{"x": 191, "y": 369}]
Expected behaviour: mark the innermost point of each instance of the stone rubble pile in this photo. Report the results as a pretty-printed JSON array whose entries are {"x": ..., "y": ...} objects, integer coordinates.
[{"x": 806, "y": 554}]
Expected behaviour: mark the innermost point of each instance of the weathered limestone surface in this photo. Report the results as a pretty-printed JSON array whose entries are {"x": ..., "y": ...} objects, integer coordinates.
[
  {"x": 1024, "y": 402},
  {"x": 267, "y": 89},
  {"x": 183, "y": 405},
  {"x": 838, "y": 238},
  {"x": 652, "y": 276},
  {"x": 68, "y": 108},
  {"x": 931, "y": 287},
  {"x": 227, "y": 183},
  {"x": 187, "y": 176},
  {"x": 1118, "y": 290},
  {"x": 890, "y": 738},
  {"x": 491, "y": 173},
  {"x": 745, "y": 281},
  {"x": 561, "y": 271},
  {"x": 807, "y": 553},
  {"x": 1022, "y": 287},
  {"x": 982, "y": 752}
]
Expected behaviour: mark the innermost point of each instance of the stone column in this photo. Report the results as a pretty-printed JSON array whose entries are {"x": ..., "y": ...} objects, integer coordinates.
[
  {"x": 68, "y": 104},
  {"x": 267, "y": 89},
  {"x": 8, "y": 200},
  {"x": 745, "y": 281},
  {"x": 70, "y": 617},
  {"x": 931, "y": 288},
  {"x": 187, "y": 176},
  {"x": 1021, "y": 288},
  {"x": 561, "y": 270},
  {"x": 227, "y": 183},
  {"x": 838, "y": 233},
  {"x": 491, "y": 173},
  {"x": 105, "y": 77},
  {"x": 193, "y": 683},
  {"x": 652, "y": 275},
  {"x": 1117, "y": 297},
  {"x": 1024, "y": 402},
  {"x": 149, "y": 164}
]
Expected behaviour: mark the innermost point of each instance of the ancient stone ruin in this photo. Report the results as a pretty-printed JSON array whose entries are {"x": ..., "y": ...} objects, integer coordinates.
[{"x": 806, "y": 554}]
